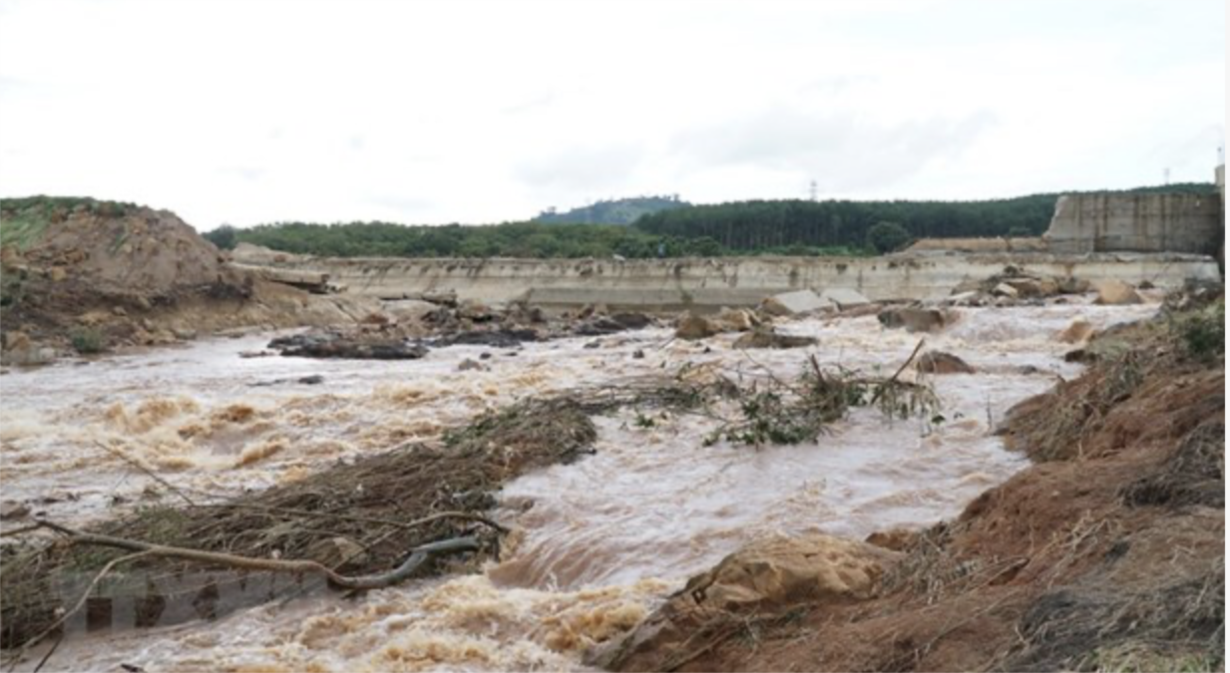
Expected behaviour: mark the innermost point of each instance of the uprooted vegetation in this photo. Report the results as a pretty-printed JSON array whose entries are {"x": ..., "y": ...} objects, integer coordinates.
[
  {"x": 1108, "y": 554},
  {"x": 777, "y": 412},
  {"x": 361, "y": 518}
]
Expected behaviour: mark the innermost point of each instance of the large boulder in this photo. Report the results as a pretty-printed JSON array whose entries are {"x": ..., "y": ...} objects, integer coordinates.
[
  {"x": 914, "y": 319},
  {"x": 939, "y": 362},
  {"x": 31, "y": 356},
  {"x": 1080, "y": 330},
  {"x": 735, "y": 320},
  {"x": 1116, "y": 293},
  {"x": 1030, "y": 288},
  {"x": 331, "y": 345},
  {"x": 786, "y": 570},
  {"x": 794, "y": 303},
  {"x": 767, "y": 337},
  {"x": 693, "y": 327},
  {"x": 764, "y": 577},
  {"x": 475, "y": 311},
  {"x": 1005, "y": 290},
  {"x": 15, "y": 340},
  {"x": 599, "y": 325},
  {"x": 408, "y": 310},
  {"x": 1073, "y": 285},
  {"x": 844, "y": 297}
]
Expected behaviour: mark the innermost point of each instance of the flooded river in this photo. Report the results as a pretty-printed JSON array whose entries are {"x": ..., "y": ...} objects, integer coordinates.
[{"x": 598, "y": 543}]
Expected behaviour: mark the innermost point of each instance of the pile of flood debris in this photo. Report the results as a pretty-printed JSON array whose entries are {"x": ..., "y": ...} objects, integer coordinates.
[
  {"x": 206, "y": 556},
  {"x": 412, "y": 511}
]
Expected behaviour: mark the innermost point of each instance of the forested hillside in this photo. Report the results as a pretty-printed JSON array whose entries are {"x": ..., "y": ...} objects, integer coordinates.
[
  {"x": 616, "y": 211},
  {"x": 743, "y": 228}
]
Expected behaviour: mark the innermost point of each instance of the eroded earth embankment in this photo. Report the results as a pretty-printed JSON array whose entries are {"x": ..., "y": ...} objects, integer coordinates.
[
  {"x": 1106, "y": 554},
  {"x": 597, "y": 545},
  {"x": 79, "y": 275}
]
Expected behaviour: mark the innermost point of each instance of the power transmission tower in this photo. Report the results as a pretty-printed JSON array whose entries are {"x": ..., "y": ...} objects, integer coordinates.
[{"x": 812, "y": 190}]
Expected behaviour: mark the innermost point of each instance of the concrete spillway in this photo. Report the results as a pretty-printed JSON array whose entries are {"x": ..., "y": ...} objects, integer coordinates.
[{"x": 713, "y": 282}]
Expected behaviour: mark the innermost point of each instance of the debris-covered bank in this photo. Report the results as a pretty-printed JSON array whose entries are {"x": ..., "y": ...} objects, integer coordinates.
[
  {"x": 594, "y": 546},
  {"x": 1106, "y": 554}
]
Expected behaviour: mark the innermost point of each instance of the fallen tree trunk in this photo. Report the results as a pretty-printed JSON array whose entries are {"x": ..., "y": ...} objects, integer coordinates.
[{"x": 418, "y": 556}]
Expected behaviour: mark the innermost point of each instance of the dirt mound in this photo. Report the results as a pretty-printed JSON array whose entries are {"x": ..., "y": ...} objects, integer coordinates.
[
  {"x": 769, "y": 575},
  {"x": 118, "y": 249},
  {"x": 1108, "y": 554},
  {"x": 92, "y": 276}
]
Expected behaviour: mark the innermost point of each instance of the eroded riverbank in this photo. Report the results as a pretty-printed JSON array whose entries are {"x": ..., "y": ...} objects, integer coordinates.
[{"x": 602, "y": 541}]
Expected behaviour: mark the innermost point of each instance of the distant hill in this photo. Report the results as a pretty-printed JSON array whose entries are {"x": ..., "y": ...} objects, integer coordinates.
[{"x": 617, "y": 211}]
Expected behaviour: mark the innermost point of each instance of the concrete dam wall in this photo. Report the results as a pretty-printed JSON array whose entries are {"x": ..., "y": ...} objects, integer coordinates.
[
  {"x": 714, "y": 282},
  {"x": 1137, "y": 222}
]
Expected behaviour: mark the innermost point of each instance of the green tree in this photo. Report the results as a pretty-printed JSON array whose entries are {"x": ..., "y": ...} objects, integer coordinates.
[
  {"x": 886, "y": 237},
  {"x": 224, "y": 237}
]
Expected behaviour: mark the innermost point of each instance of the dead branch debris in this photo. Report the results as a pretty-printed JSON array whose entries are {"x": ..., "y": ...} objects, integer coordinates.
[
  {"x": 343, "y": 524},
  {"x": 351, "y": 523},
  {"x": 792, "y": 412}
]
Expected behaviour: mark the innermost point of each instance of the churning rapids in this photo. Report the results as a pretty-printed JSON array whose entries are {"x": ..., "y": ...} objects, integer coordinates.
[{"x": 599, "y": 542}]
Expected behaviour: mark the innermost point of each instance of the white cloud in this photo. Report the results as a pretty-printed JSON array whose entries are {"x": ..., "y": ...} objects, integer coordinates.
[{"x": 488, "y": 111}]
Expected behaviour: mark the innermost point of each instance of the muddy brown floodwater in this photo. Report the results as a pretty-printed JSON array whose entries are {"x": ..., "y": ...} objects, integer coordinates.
[{"x": 599, "y": 543}]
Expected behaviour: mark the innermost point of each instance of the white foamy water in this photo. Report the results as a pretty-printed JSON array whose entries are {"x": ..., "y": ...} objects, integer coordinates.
[{"x": 600, "y": 542}]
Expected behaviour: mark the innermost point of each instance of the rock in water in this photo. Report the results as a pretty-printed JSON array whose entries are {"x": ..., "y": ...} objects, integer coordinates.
[
  {"x": 1116, "y": 293},
  {"x": 735, "y": 320},
  {"x": 598, "y": 325},
  {"x": 768, "y": 338},
  {"x": 914, "y": 319},
  {"x": 496, "y": 338},
  {"x": 939, "y": 362},
  {"x": 1005, "y": 290},
  {"x": 793, "y": 303},
  {"x": 330, "y": 345},
  {"x": 1080, "y": 330},
  {"x": 844, "y": 297},
  {"x": 694, "y": 327},
  {"x": 764, "y": 576}
]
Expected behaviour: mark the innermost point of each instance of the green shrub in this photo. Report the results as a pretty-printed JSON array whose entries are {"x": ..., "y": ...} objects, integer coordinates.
[
  {"x": 87, "y": 340},
  {"x": 1204, "y": 333},
  {"x": 887, "y": 237}
]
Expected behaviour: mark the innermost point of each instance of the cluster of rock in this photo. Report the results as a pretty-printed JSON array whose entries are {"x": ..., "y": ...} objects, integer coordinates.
[
  {"x": 758, "y": 323},
  {"x": 408, "y": 328},
  {"x": 1015, "y": 287}
]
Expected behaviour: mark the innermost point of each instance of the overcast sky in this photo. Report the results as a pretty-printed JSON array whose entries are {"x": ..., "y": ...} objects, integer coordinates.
[{"x": 423, "y": 112}]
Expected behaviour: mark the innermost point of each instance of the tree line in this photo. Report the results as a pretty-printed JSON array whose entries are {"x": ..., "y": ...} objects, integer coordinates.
[
  {"x": 739, "y": 228},
  {"x": 514, "y": 239}
]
